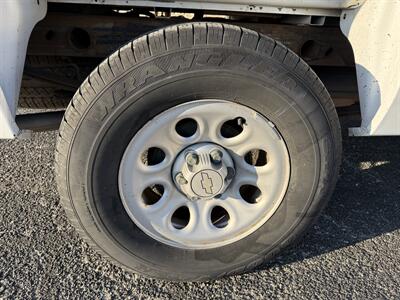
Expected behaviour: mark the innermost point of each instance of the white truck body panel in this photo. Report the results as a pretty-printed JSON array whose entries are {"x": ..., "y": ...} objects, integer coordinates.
[
  {"x": 373, "y": 31},
  {"x": 17, "y": 19},
  {"x": 294, "y": 7},
  {"x": 370, "y": 26}
]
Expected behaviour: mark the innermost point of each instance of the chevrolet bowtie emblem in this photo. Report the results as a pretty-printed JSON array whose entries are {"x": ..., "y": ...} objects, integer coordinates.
[{"x": 206, "y": 183}]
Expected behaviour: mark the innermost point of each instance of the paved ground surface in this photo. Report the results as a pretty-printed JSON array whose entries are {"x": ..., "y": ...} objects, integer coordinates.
[{"x": 352, "y": 252}]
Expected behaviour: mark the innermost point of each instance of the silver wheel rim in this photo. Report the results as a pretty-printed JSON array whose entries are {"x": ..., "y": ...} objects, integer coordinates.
[{"x": 248, "y": 199}]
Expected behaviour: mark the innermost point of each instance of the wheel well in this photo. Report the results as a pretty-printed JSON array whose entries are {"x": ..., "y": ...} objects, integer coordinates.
[{"x": 73, "y": 39}]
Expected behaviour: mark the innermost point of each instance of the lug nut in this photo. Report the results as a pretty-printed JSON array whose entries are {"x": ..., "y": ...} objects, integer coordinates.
[
  {"x": 192, "y": 159},
  {"x": 241, "y": 121},
  {"x": 180, "y": 179},
  {"x": 216, "y": 156},
  {"x": 231, "y": 173}
]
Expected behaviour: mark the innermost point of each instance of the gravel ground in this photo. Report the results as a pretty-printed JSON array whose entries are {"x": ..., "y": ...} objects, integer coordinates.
[{"x": 352, "y": 252}]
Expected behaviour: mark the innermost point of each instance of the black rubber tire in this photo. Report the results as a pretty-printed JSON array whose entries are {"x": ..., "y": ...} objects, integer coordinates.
[
  {"x": 36, "y": 93},
  {"x": 168, "y": 67},
  {"x": 42, "y": 98}
]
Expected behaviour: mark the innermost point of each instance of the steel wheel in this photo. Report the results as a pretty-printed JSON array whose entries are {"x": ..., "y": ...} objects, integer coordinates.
[{"x": 204, "y": 174}]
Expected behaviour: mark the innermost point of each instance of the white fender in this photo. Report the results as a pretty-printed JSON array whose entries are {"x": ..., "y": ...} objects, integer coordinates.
[{"x": 17, "y": 19}]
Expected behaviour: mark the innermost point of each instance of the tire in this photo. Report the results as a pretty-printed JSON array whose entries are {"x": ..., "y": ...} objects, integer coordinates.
[
  {"x": 172, "y": 66},
  {"x": 42, "y": 98},
  {"x": 40, "y": 94}
]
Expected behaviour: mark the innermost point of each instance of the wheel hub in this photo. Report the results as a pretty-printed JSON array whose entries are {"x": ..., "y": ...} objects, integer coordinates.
[{"x": 203, "y": 171}]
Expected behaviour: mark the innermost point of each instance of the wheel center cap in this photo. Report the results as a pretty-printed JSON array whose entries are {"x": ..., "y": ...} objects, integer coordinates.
[
  {"x": 203, "y": 171},
  {"x": 207, "y": 183}
]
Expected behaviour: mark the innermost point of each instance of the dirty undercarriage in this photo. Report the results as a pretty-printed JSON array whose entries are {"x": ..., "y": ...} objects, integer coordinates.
[{"x": 73, "y": 39}]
